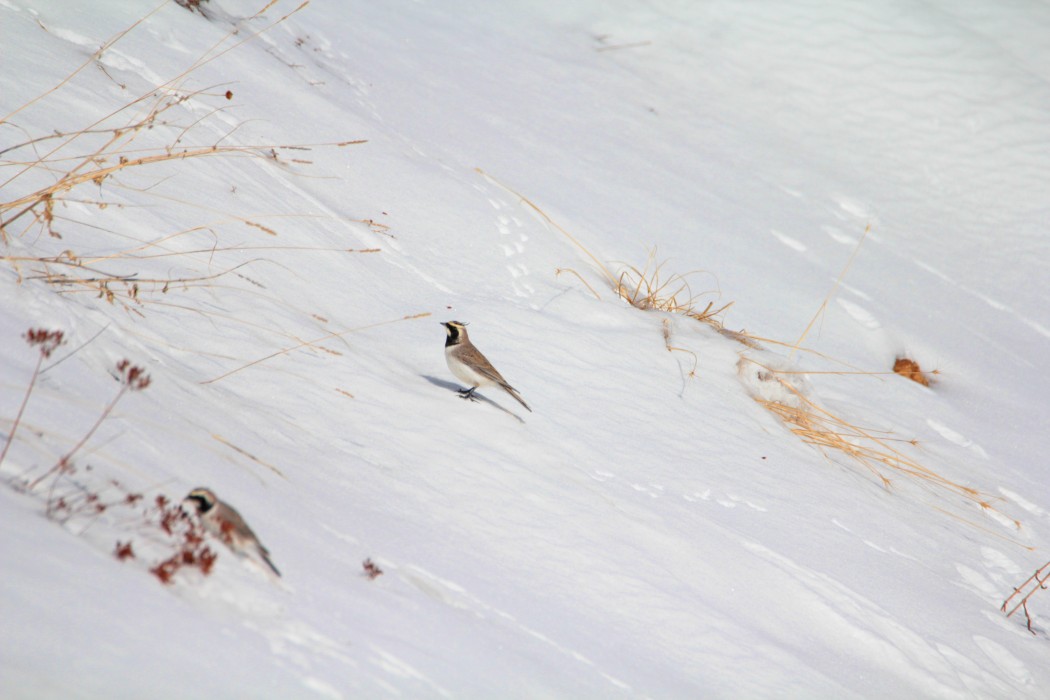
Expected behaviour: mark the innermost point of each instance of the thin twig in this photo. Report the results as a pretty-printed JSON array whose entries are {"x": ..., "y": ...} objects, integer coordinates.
[{"x": 315, "y": 341}]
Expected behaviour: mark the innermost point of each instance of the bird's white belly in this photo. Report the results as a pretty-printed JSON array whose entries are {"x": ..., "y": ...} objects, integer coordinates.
[{"x": 464, "y": 373}]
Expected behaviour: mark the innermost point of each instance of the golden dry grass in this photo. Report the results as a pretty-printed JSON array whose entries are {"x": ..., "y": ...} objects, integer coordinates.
[
  {"x": 672, "y": 348},
  {"x": 648, "y": 288},
  {"x": 652, "y": 288},
  {"x": 876, "y": 451},
  {"x": 37, "y": 188}
]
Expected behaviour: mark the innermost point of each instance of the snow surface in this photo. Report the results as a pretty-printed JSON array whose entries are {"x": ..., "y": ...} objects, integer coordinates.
[{"x": 644, "y": 533}]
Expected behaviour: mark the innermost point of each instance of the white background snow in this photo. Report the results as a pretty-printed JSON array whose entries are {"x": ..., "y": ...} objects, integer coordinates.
[{"x": 644, "y": 533}]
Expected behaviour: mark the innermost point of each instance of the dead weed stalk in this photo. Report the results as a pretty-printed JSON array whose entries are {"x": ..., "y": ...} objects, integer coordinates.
[
  {"x": 648, "y": 288},
  {"x": 672, "y": 348},
  {"x": 131, "y": 378},
  {"x": 46, "y": 342},
  {"x": 84, "y": 499},
  {"x": 37, "y": 188},
  {"x": 651, "y": 289},
  {"x": 1032, "y": 585},
  {"x": 828, "y": 432},
  {"x": 312, "y": 343}
]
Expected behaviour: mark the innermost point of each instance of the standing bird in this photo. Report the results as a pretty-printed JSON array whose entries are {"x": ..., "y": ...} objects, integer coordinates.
[
  {"x": 470, "y": 366},
  {"x": 225, "y": 523}
]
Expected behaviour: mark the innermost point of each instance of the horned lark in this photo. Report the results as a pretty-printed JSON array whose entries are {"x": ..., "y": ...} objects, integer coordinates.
[
  {"x": 225, "y": 523},
  {"x": 470, "y": 366}
]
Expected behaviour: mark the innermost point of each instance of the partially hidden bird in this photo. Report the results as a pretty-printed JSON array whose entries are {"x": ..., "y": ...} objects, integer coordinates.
[{"x": 225, "y": 523}]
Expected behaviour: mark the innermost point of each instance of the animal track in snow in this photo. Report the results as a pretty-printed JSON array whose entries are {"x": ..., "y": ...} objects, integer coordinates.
[
  {"x": 1004, "y": 520},
  {"x": 877, "y": 547},
  {"x": 731, "y": 501},
  {"x": 976, "y": 582},
  {"x": 994, "y": 559},
  {"x": 948, "y": 434},
  {"x": 839, "y": 236},
  {"x": 1022, "y": 502},
  {"x": 859, "y": 314},
  {"x": 512, "y": 242},
  {"x": 652, "y": 490},
  {"x": 856, "y": 292},
  {"x": 726, "y": 500},
  {"x": 854, "y": 208},
  {"x": 954, "y": 437},
  {"x": 788, "y": 240}
]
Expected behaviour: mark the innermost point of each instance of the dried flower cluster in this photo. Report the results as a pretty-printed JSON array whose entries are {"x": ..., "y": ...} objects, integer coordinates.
[
  {"x": 44, "y": 339},
  {"x": 371, "y": 570},
  {"x": 132, "y": 376},
  {"x": 191, "y": 550}
]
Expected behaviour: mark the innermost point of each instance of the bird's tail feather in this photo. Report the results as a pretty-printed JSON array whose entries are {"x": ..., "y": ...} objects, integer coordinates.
[
  {"x": 265, "y": 556},
  {"x": 514, "y": 392}
]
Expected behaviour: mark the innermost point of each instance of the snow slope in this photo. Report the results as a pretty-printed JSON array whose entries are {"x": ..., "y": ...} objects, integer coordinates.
[{"x": 646, "y": 532}]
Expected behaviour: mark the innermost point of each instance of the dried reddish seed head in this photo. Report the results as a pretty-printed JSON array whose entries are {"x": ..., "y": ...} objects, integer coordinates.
[
  {"x": 44, "y": 339},
  {"x": 123, "y": 551},
  {"x": 133, "y": 376},
  {"x": 371, "y": 570}
]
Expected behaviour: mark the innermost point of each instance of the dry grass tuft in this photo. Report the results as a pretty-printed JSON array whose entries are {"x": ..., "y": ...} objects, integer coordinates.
[
  {"x": 46, "y": 176},
  {"x": 910, "y": 368},
  {"x": 780, "y": 391},
  {"x": 648, "y": 288},
  {"x": 830, "y": 433},
  {"x": 651, "y": 289}
]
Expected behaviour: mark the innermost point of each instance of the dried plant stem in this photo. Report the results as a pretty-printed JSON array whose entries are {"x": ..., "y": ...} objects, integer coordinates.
[
  {"x": 649, "y": 290},
  {"x": 560, "y": 270},
  {"x": 21, "y": 408},
  {"x": 834, "y": 289},
  {"x": 91, "y": 168},
  {"x": 64, "y": 461},
  {"x": 132, "y": 378},
  {"x": 645, "y": 288},
  {"x": 674, "y": 348},
  {"x": 73, "y": 178},
  {"x": 823, "y": 429},
  {"x": 1038, "y": 582},
  {"x": 315, "y": 341},
  {"x": 753, "y": 340}
]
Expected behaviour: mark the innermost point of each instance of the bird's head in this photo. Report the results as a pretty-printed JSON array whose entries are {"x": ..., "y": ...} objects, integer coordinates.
[{"x": 202, "y": 500}]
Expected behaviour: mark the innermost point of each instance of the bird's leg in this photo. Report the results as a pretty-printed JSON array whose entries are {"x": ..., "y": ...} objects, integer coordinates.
[{"x": 467, "y": 393}]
